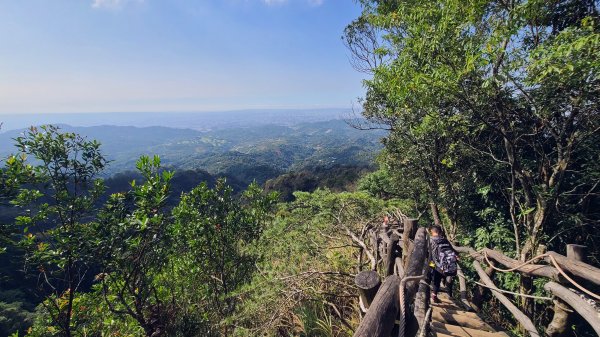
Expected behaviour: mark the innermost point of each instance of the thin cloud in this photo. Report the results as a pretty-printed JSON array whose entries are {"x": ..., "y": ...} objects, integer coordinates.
[
  {"x": 112, "y": 4},
  {"x": 312, "y": 3},
  {"x": 274, "y": 2}
]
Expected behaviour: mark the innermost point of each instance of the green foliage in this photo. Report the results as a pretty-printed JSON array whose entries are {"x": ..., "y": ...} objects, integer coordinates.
[
  {"x": 212, "y": 235},
  {"x": 90, "y": 317},
  {"x": 134, "y": 249},
  {"x": 336, "y": 178},
  {"x": 492, "y": 107},
  {"x": 59, "y": 188},
  {"x": 14, "y": 317},
  {"x": 306, "y": 264}
]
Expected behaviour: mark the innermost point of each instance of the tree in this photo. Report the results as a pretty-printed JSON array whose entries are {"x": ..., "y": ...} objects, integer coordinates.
[
  {"x": 213, "y": 233},
  {"x": 134, "y": 249},
  {"x": 504, "y": 91},
  {"x": 61, "y": 187}
]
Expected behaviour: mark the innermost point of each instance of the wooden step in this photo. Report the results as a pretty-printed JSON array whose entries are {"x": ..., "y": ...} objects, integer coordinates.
[
  {"x": 445, "y": 306},
  {"x": 466, "y": 321},
  {"x": 445, "y": 298},
  {"x": 443, "y": 333},
  {"x": 440, "y": 334},
  {"x": 454, "y": 311},
  {"x": 463, "y": 331}
]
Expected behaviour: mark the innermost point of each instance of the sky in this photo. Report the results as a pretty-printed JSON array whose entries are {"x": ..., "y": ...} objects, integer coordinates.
[{"x": 174, "y": 55}]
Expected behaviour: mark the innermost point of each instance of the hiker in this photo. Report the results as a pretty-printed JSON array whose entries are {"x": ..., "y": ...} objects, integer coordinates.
[{"x": 443, "y": 262}]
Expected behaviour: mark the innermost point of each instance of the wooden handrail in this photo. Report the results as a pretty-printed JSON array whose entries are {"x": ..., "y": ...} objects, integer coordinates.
[
  {"x": 577, "y": 268},
  {"x": 384, "y": 309},
  {"x": 518, "y": 314}
]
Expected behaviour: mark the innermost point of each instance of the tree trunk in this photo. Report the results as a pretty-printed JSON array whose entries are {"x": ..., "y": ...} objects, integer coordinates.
[{"x": 435, "y": 213}]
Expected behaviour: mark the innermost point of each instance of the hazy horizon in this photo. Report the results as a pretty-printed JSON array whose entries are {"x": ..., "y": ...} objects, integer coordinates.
[{"x": 202, "y": 120}]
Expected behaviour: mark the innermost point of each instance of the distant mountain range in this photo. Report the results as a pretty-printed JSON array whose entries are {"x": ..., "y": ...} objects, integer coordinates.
[{"x": 255, "y": 152}]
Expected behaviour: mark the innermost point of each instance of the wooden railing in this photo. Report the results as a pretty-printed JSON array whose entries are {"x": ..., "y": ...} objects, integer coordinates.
[{"x": 398, "y": 306}]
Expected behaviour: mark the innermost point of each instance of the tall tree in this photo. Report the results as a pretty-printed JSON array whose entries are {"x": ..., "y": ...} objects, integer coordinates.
[
  {"x": 512, "y": 85},
  {"x": 61, "y": 188}
]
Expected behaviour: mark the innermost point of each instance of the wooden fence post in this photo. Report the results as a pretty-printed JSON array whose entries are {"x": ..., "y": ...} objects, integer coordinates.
[
  {"x": 562, "y": 317},
  {"x": 422, "y": 298},
  {"x": 379, "y": 320},
  {"x": 583, "y": 308},
  {"x": 368, "y": 283},
  {"x": 577, "y": 252},
  {"x": 410, "y": 230},
  {"x": 391, "y": 254},
  {"x": 415, "y": 261}
]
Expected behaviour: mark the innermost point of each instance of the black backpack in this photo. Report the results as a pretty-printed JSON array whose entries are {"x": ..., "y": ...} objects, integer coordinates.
[{"x": 445, "y": 260}]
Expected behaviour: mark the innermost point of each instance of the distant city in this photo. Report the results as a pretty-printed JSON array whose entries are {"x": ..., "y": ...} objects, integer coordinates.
[{"x": 202, "y": 121}]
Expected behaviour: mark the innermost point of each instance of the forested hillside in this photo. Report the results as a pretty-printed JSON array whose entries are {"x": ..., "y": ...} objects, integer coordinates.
[
  {"x": 491, "y": 112},
  {"x": 242, "y": 154}
]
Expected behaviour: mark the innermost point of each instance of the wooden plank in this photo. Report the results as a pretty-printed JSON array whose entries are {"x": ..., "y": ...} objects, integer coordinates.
[
  {"x": 463, "y": 331},
  {"x": 461, "y": 320},
  {"x": 456, "y": 312},
  {"x": 441, "y": 334}
]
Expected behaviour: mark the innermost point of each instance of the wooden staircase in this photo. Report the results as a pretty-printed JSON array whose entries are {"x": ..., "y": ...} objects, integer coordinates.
[{"x": 450, "y": 320}]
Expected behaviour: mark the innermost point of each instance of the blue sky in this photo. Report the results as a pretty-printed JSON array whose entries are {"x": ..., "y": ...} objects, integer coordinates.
[{"x": 174, "y": 55}]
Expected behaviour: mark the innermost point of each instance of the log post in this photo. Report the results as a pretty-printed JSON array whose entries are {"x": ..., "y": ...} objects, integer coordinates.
[
  {"x": 559, "y": 326},
  {"x": 416, "y": 261},
  {"x": 391, "y": 254},
  {"x": 581, "y": 305},
  {"x": 462, "y": 285},
  {"x": 379, "y": 320},
  {"x": 422, "y": 298},
  {"x": 368, "y": 283},
  {"x": 577, "y": 252},
  {"x": 479, "y": 291},
  {"x": 375, "y": 244},
  {"x": 399, "y": 267},
  {"x": 410, "y": 230}
]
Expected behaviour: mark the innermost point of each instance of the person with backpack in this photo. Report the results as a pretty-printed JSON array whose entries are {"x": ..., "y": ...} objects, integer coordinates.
[{"x": 443, "y": 262}]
